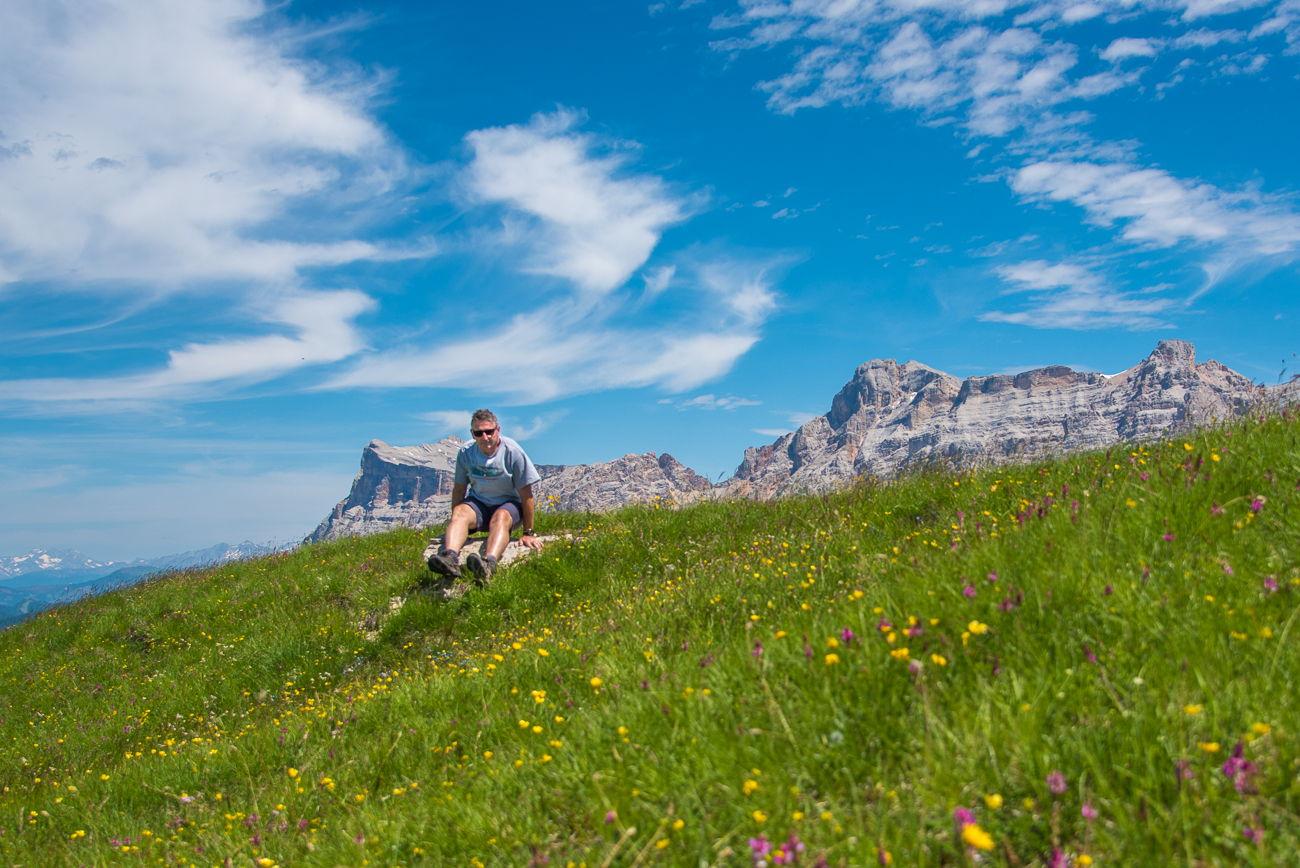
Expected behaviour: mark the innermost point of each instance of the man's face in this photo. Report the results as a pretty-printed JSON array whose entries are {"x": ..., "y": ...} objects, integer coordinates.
[{"x": 487, "y": 435}]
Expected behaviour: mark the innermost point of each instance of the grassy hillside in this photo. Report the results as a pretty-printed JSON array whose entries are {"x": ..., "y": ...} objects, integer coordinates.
[{"x": 1090, "y": 660}]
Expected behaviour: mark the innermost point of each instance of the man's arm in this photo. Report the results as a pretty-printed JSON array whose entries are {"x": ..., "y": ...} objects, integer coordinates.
[
  {"x": 526, "y": 518},
  {"x": 457, "y": 495}
]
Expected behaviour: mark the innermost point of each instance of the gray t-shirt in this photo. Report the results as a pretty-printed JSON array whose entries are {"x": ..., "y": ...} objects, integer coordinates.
[{"x": 497, "y": 479}]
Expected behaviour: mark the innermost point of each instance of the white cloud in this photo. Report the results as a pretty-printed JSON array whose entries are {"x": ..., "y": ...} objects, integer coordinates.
[
  {"x": 1125, "y": 47},
  {"x": 152, "y": 149},
  {"x": 570, "y": 347},
  {"x": 1072, "y": 296},
  {"x": 1159, "y": 209},
  {"x": 1017, "y": 87},
  {"x": 448, "y": 422},
  {"x": 533, "y": 427},
  {"x": 323, "y": 331},
  {"x": 592, "y": 222},
  {"x": 158, "y": 143},
  {"x": 1205, "y": 38},
  {"x": 697, "y": 316},
  {"x": 772, "y": 432},
  {"x": 709, "y": 402},
  {"x": 657, "y": 279}
]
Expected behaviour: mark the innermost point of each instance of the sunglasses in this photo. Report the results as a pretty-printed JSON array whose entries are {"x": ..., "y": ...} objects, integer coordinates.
[{"x": 484, "y": 432}]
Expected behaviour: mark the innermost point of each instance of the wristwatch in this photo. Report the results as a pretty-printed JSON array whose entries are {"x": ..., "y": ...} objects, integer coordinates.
[{"x": 528, "y": 531}]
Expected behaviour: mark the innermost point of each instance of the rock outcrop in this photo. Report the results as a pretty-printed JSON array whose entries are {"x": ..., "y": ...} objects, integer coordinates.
[
  {"x": 398, "y": 486},
  {"x": 631, "y": 479},
  {"x": 891, "y": 415},
  {"x": 887, "y": 417},
  {"x": 410, "y": 486}
]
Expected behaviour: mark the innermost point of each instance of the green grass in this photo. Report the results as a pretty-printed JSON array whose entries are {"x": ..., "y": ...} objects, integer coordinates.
[{"x": 284, "y": 711}]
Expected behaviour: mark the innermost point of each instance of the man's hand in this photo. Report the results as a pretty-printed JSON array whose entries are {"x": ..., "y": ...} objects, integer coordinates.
[{"x": 528, "y": 539}]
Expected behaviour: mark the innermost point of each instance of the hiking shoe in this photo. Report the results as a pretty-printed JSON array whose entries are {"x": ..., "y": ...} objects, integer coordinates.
[
  {"x": 445, "y": 563},
  {"x": 479, "y": 568}
]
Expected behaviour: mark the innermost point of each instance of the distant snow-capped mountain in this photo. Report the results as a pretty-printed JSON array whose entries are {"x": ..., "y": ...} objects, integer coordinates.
[
  {"x": 41, "y": 560},
  {"x": 31, "y": 582}
]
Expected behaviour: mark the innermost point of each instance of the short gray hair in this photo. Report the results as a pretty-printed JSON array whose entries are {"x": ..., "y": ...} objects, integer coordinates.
[{"x": 483, "y": 416}]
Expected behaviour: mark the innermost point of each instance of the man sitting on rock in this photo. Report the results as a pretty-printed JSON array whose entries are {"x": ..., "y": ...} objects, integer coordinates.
[{"x": 500, "y": 479}]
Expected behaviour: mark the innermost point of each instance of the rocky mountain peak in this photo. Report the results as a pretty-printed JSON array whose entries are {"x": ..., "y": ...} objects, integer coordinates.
[
  {"x": 886, "y": 417},
  {"x": 891, "y": 415}
]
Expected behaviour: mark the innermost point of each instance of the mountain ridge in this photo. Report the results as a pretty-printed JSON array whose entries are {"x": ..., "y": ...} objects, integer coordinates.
[{"x": 888, "y": 416}]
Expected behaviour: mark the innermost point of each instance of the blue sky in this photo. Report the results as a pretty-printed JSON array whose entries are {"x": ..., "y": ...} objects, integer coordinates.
[{"x": 237, "y": 242}]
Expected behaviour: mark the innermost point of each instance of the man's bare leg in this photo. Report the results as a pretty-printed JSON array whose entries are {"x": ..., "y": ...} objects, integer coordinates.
[
  {"x": 463, "y": 520},
  {"x": 498, "y": 534}
]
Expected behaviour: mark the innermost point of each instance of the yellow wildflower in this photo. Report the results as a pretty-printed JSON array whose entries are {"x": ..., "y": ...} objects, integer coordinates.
[
  {"x": 938, "y": 660},
  {"x": 750, "y": 786},
  {"x": 993, "y": 801},
  {"x": 899, "y": 653},
  {"x": 1192, "y": 710},
  {"x": 832, "y": 659},
  {"x": 760, "y": 817},
  {"x": 1208, "y": 746},
  {"x": 977, "y": 837},
  {"x": 596, "y": 682},
  {"x": 977, "y": 628}
]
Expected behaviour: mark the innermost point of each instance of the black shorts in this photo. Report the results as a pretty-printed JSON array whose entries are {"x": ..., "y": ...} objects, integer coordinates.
[{"x": 484, "y": 512}]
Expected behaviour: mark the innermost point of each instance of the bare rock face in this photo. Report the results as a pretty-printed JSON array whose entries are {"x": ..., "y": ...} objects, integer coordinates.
[
  {"x": 887, "y": 416},
  {"x": 410, "y": 486},
  {"x": 398, "y": 486},
  {"x": 892, "y": 414},
  {"x": 630, "y": 479}
]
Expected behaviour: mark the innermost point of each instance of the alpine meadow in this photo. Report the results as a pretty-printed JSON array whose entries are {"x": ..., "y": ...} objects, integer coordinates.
[{"x": 1087, "y": 660}]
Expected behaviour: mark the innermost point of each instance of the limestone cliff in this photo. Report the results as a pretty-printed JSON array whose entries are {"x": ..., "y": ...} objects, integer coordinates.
[
  {"x": 890, "y": 415},
  {"x": 398, "y": 486},
  {"x": 410, "y": 486}
]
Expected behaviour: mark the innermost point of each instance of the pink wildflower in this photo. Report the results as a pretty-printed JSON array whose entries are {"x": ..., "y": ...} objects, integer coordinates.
[{"x": 1056, "y": 782}]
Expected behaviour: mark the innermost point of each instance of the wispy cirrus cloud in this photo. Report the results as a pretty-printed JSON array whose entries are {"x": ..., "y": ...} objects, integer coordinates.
[
  {"x": 1153, "y": 207},
  {"x": 157, "y": 145},
  {"x": 321, "y": 330},
  {"x": 458, "y": 422},
  {"x": 574, "y": 207},
  {"x": 570, "y": 203},
  {"x": 153, "y": 152},
  {"x": 1072, "y": 296},
  {"x": 1009, "y": 75}
]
